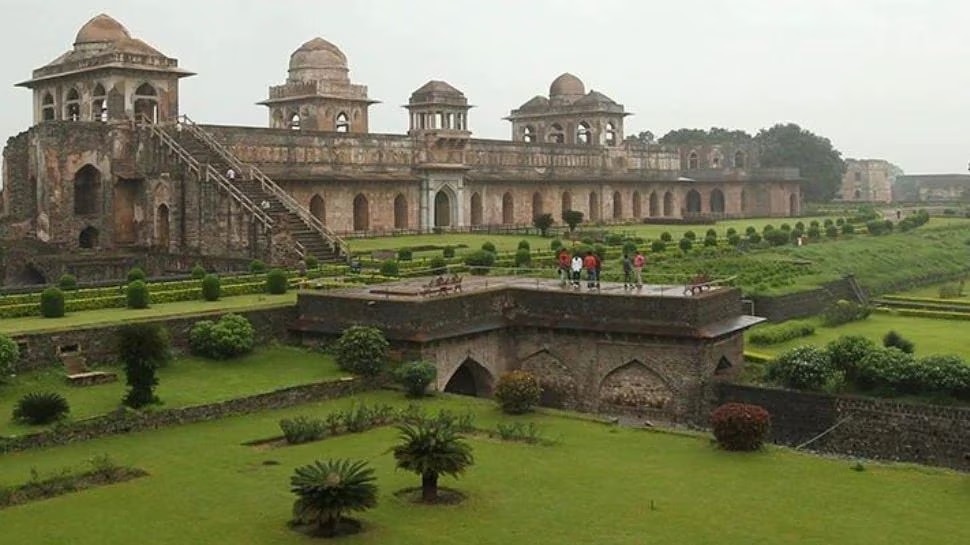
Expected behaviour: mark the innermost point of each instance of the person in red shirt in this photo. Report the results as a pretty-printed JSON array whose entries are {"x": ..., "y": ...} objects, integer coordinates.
[
  {"x": 563, "y": 267},
  {"x": 591, "y": 264},
  {"x": 638, "y": 262}
]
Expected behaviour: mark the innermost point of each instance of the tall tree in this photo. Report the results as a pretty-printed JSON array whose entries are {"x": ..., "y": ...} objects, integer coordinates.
[
  {"x": 716, "y": 135},
  {"x": 788, "y": 145},
  {"x": 642, "y": 137}
]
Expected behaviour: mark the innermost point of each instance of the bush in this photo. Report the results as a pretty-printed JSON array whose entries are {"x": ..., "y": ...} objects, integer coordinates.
[
  {"x": 543, "y": 222},
  {"x": 843, "y": 312},
  {"x": 9, "y": 354},
  {"x": 39, "y": 408},
  {"x": 390, "y": 268},
  {"x": 731, "y": 231},
  {"x": 846, "y": 352},
  {"x": 555, "y": 245},
  {"x": 666, "y": 236},
  {"x": 800, "y": 226},
  {"x": 630, "y": 248},
  {"x": 947, "y": 375},
  {"x": 685, "y": 244},
  {"x": 848, "y": 228},
  {"x": 67, "y": 282},
  {"x": 890, "y": 371},
  {"x": 785, "y": 227},
  {"x": 777, "y": 237},
  {"x": 362, "y": 350},
  {"x": 416, "y": 376},
  {"x": 517, "y": 391},
  {"x": 658, "y": 246},
  {"x": 895, "y": 340},
  {"x": 614, "y": 239},
  {"x": 803, "y": 368},
  {"x": 740, "y": 427},
  {"x": 734, "y": 239},
  {"x": 524, "y": 245},
  {"x": 522, "y": 258},
  {"x": 572, "y": 218},
  {"x": 754, "y": 238},
  {"x": 143, "y": 348},
  {"x": 767, "y": 228},
  {"x": 488, "y": 247},
  {"x": 840, "y": 222},
  {"x": 779, "y": 333},
  {"x": 303, "y": 430},
  {"x": 480, "y": 261},
  {"x": 710, "y": 241},
  {"x": 136, "y": 273},
  {"x": 750, "y": 230},
  {"x": 311, "y": 262},
  {"x": 231, "y": 336},
  {"x": 405, "y": 254},
  {"x": 198, "y": 272},
  {"x": 950, "y": 291},
  {"x": 438, "y": 265},
  {"x": 832, "y": 231},
  {"x": 276, "y": 282},
  {"x": 257, "y": 267},
  {"x": 136, "y": 295},
  {"x": 52, "y": 303},
  {"x": 211, "y": 289},
  {"x": 690, "y": 235},
  {"x": 448, "y": 252}
]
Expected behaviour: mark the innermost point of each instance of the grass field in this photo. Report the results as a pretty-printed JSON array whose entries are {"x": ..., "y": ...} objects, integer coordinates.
[
  {"x": 183, "y": 382},
  {"x": 598, "y": 485},
  {"x": 11, "y": 326}
]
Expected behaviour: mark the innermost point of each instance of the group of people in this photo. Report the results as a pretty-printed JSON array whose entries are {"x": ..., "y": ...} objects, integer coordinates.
[{"x": 571, "y": 268}]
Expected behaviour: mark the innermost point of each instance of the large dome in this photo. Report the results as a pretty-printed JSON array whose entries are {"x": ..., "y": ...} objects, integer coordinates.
[
  {"x": 101, "y": 29},
  {"x": 567, "y": 85},
  {"x": 318, "y": 59}
]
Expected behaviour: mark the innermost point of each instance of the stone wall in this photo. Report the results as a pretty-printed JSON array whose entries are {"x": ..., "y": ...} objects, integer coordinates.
[
  {"x": 97, "y": 343},
  {"x": 778, "y": 308},
  {"x": 865, "y": 427},
  {"x": 123, "y": 421}
]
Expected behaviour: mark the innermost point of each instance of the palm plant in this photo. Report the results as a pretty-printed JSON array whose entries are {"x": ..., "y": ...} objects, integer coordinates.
[
  {"x": 430, "y": 448},
  {"x": 329, "y": 489}
]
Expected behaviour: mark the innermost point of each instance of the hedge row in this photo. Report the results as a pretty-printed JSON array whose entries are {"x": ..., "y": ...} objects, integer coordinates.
[
  {"x": 777, "y": 334},
  {"x": 918, "y": 313},
  {"x": 925, "y": 300}
]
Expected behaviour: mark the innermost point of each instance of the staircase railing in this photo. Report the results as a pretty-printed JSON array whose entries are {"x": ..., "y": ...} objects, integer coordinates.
[
  {"x": 268, "y": 185},
  {"x": 206, "y": 172}
]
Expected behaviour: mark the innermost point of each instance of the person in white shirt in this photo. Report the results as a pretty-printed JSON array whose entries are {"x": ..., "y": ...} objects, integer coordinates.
[
  {"x": 231, "y": 174},
  {"x": 576, "y": 267}
]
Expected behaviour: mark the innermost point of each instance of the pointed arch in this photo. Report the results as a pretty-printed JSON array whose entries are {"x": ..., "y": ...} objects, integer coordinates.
[
  {"x": 610, "y": 137},
  {"x": 88, "y": 239},
  {"x": 716, "y": 201},
  {"x": 87, "y": 190},
  {"x": 476, "y": 209},
  {"x": 693, "y": 202},
  {"x": 99, "y": 103},
  {"x": 583, "y": 133},
  {"x": 162, "y": 222},
  {"x": 637, "y": 205},
  {"x": 668, "y": 204},
  {"x": 556, "y": 135},
  {"x": 318, "y": 208},
  {"x": 400, "y": 211},
  {"x": 48, "y": 113},
  {"x": 537, "y": 204},
  {"x": 342, "y": 122},
  {"x": 617, "y": 205},
  {"x": 470, "y": 378},
  {"x": 653, "y": 208},
  {"x": 146, "y": 103},
  {"x": 442, "y": 208},
  {"x": 293, "y": 121},
  {"x": 361, "y": 213},
  {"x": 634, "y": 385},
  {"x": 594, "y": 206},
  {"x": 692, "y": 161},
  {"x": 567, "y": 201},
  {"x": 72, "y": 105},
  {"x": 508, "y": 208},
  {"x": 558, "y": 384}
]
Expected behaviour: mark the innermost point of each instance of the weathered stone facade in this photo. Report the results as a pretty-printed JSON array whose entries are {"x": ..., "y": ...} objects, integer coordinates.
[{"x": 869, "y": 180}]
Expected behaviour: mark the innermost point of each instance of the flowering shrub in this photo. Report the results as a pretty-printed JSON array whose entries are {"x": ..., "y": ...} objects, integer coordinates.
[
  {"x": 804, "y": 368},
  {"x": 517, "y": 391},
  {"x": 231, "y": 336},
  {"x": 738, "y": 426}
]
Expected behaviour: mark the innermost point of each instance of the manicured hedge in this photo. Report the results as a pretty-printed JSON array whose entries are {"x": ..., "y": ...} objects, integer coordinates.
[{"x": 779, "y": 333}]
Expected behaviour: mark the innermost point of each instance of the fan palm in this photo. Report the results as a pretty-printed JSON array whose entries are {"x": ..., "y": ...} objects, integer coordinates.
[
  {"x": 329, "y": 489},
  {"x": 431, "y": 448}
]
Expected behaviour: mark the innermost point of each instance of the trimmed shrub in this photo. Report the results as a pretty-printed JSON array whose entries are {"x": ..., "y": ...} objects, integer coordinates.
[
  {"x": 777, "y": 237},
  {"x": 685, "y": 244},
  {"x": 734, "y": 239},
  {"x": 785, "y": 227},
  {"x": 754, "y": 238},
  {"x": 522, "y": 257},
  {"x": 9, "y": 354},
  {"x": 257, "y": 267},
  {"x": 231, "y": 336},
  {"x": 895, "y": 340},
  {"x": 136, "y": 273},
  {"x": 779, "y": 333},
  {"x": 946, "y": 374},
  {"x": 658, "y": 246},
  {"x": 480, "y": 261},
  {"x": 488, "y": 247},
  {"x": 303, "y": 430},
  {"x": 198, "y": 272},
  {"x": 843, "y": 312},
  {"x": 690, "y": 235},
  {"x": 405, "y": 254},
  {"x": 848, "y": 228},
  {"x": 416, "y": 376},
  {"x": 39, "y": 408},
  {"x": 449, "y": 251},
  {"x": 67, "y": 282},
  {"x": 517, "y": 391},
  {"x": 555, "y": 245},
  {"x": 136, "y": 295},
  {"x": 362, "y": 350},
  {"x": 889, "y": 371},
  {"x": 666, "y": 236},
  {"x": 766, "y": 228},
  {"x": 543, "y": 222},
  {"x": 800, "y": 226},
  {"x": 276, "y": 282},
  {"x": 710, "y": 241},
  {"x": 143, "y": 348},
  {"x": 524, "y": 245},
  {"x": 750, "y": 230},
  {"x": 803, "y": 368},
  {"x": 846, "y": 352},
  {"x": 711, "y": 233},
  {"x": 740, "y": 427},
  {"x": 832, "y": 231},
  {"x": 311, "y": 262},
  {"x": 438, "y": 265},
  {"x": 731, "y": 231},
  {"x": 814, "y": 232},
  {"x": 52, "y": 303},
  {"x": 630, "y": 248},
  {"x": 211, "y": 288},
  {"x": 390, "y": 268},
  {"x": 614, "y": 239}
]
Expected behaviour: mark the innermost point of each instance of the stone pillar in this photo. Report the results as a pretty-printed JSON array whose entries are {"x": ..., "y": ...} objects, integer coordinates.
[{"x": 424, "y": 210}]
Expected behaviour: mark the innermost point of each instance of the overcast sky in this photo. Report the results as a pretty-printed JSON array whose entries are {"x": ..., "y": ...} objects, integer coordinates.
[{"x": 881, "y": 78}]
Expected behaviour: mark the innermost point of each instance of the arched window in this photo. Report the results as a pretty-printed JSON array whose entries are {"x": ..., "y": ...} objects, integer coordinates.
[
  {"x": 442, "y": 209},
  {"x": 739, "y": 159},
  {"x": 692, "y": 160},
  {"x": 318, "y": 208},
  {"x": 654, "y": 205},
  {"x": 583, "y": 133},
  {"x": 87, "y": 190},
  {"x": 617, "y": 205},
  {"x": 361, "y": 213},
  {"x": 88, "y": 238},
  {"x": 343, "y": 122},
  {"x": 400, "y": 212},
  {"x": 556, "y": 134},
  {"x": 610, "y": 138},
  {"x": 99, "y": 104},
  {"x": 594, "y": 206},
  {"x": 294, "y": 121},
  {"x": 637, "y": 205},
  {"x": 529, "y": 134},
  {"x": 716, "y": 161},
  {"x": 536, "y": 204},
  {"x": 476, "y": 206},
  {"x": 508, "y": 209},
  {"x": 146, "y": 103},
  {"x": 668, "y": 204},
  {"x": 693, "y": 202},
  {"x": 162, "y": 226},
  {"x": 717, "y": 201},
  {"x": 47, "y": 107},
  {"x": 567, "y": 201},
  {"x": 72, "y": 105}
]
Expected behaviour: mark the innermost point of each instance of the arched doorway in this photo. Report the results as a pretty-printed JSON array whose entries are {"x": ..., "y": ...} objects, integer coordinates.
[
  {"x": 717, "y": 201},
  {"x": 567, "y": 201},
  {"x": 668, "y": 204},
  {"x": 361, "y": 213},
  {"x": 318, "y": 208},
  {"x": 162, "y": 226},
  {"x": 88, "y": 238},
  {"x": 617, "y": 205},
  {"x": 476, "y": 209},
  {"x": 471, "y": 379},
  {"x": 693, "y": 202},
  {"x": 442, "y": 209},
  {"x": 793, "y": 205},
  {"x": 87, "y": 190},
  {"x": 536, "y": 204},
  {"x": 146, "y": 103},
  {"x": 594, "y": 206},
  {"x": 637, "y": 205},
  {"x": 400, "y": 212},
  {"x": 508, "y": 209},
  {"x": 654, "y": 205},
  {"x": 27, "y": 275}
]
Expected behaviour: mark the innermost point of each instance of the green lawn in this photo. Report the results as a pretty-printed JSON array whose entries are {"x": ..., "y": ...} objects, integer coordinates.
[
  {"x": 933, "y": 292},
  {"x": 12, "y": 326},
  {"x": 598, "y": 485},
  {"x": 931, "y": 336},
  {"x": 183, "y": 382}
]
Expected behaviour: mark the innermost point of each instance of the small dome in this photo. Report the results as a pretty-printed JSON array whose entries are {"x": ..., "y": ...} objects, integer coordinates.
[
  {"x": 101, "y": 29},
  {"x": 318, "y": 54},
  {"x": 436, "y": 91},
  {"x": 567, "y": 85},
  {"x": 537, "y": 103}
]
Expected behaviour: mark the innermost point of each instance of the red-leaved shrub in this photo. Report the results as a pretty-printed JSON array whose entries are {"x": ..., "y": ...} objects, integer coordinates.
[{"x": 738, "y": 426}]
